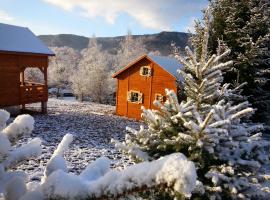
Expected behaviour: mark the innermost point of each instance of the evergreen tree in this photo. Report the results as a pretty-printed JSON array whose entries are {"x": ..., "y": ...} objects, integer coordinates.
[
  {"x": 208, "y": 128},
  {"x": 245, "y": 27}
]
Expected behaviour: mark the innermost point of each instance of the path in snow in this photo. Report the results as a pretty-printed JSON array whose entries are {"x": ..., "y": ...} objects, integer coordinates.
[{"x": 92, "y": 125}]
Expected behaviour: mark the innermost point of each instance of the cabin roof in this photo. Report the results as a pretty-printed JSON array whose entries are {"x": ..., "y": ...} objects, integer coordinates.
[
  {"x": 21, "y": 40},
  {"x": 170, "y": 64}
]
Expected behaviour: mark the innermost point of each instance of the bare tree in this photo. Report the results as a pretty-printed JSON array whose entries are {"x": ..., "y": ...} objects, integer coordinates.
[
  {"x": 62, "y": 66},
  {"x": 130, "y": 49},
  {"x": 34, "y": 75},
  {"x": 93, "y": 77}
]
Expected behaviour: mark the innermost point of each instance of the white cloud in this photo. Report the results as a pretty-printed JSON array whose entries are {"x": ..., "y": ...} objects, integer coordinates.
[
  {"x": 155, "y": 14},
  {"x": 5, "y": 17}
]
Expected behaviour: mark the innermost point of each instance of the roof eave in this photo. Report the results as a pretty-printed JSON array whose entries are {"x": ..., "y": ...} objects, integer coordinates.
[{"x": 27, "y": 53}]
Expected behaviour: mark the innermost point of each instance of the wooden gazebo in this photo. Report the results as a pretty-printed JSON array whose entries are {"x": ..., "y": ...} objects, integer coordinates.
[{"x": 21, "y": 49}]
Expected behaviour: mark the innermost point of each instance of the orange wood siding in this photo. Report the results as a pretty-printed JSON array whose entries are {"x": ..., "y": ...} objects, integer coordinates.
[
  {"x": 161, "y": 80},
  {"x": 131, "y": 79},
  {"x": 10, "y": 67},
  {"x": 121, "y": 108},
  {"x": 9, "y": 80}
]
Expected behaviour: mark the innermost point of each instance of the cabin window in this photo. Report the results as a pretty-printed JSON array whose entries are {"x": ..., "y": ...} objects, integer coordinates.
[
  {"x": 159, "y": 97},
  {"x": 135, "y": 97},
  {"x": 145, "y": 71}
]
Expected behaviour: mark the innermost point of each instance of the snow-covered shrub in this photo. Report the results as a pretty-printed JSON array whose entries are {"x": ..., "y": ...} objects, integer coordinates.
[
  {"x": 13, "y": 183},
  {"x": 210, "y": 127},
  {"x": 173, "y": 172}
]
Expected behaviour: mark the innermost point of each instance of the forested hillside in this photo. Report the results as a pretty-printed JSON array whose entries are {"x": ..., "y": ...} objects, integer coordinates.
[{"x": 155, "y": 42}]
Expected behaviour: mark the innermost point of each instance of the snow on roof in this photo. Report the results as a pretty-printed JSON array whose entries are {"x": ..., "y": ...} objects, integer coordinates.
[
  {"x": 21, "y": 39},
  {"x": 170, "y": 64}
]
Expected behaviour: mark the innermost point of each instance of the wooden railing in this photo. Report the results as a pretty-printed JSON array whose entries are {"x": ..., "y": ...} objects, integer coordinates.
[{"x": 31, "y": 92}]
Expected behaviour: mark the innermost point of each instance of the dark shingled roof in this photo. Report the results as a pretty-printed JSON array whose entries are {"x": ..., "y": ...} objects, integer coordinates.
[{"x": 21, "y": 40}]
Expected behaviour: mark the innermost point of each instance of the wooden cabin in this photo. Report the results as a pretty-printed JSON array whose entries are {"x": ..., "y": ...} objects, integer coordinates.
[
  {"x": 143, "y": 81},
  {"x": 21, "y": 49}
]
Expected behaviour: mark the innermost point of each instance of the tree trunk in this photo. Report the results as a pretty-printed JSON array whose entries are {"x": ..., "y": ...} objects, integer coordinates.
[
  {"x": 80, "y": 97},
  {"x": 58, "y": 93}
]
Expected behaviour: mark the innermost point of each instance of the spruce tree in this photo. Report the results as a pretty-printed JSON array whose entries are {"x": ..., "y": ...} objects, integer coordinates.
[
  {"x": 245, "y": 27},
  {"x": 208, "y": 127}
]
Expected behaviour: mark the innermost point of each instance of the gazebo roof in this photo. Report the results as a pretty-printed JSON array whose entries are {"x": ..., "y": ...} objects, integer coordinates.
[{"x": 21, "y": 40}]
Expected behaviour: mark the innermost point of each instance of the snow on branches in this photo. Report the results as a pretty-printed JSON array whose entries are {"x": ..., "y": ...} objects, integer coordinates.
[
  {"x": 210, "y": 127},
  {"x": 97, "y": 181},
  {"x": 13, "y": 183}
]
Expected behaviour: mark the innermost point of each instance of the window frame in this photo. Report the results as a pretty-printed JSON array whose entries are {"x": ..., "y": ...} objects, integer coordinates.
[
  {"x": 142, "y": 70},
  {"x": 139, "y": 97},
  {"x": 159, "y": 97}
]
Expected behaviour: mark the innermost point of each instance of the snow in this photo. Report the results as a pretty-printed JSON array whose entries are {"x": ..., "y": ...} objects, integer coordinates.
[
  {"x": 92, "y": 126},
  {"x": 90, "y": 174},
  {"x": 26, "y": 123},
  {"x": 23, "y": 124},
  {"x": 63, "y": 146},
  {"x": 25, "y": 151},
  {"x": 21, "y": 39},
  {"x": 15, "y": 188},
  {"x": 4, "y": 116},
  {"x": 5, "y": 145},
  {"x": 57, "y": 161},
  {"x": 174, "y": 171},
  {"x": 96, "y": 169}
]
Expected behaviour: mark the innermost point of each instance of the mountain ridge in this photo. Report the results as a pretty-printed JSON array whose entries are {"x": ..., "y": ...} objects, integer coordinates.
[{"x": 154, "y": 42}]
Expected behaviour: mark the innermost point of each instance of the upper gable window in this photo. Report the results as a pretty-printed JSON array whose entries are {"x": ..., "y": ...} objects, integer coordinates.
[{"x": 145, "y": 71}]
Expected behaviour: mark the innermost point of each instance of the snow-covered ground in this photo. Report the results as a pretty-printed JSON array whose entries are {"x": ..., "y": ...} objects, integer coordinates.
[{"x": 93, "y": 126}]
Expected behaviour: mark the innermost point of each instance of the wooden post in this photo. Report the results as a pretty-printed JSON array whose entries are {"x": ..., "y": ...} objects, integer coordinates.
[
  {"x": 22, "y": 77},
  {"x": 22, "y": 83},
  {"x": 44, "y": 104},
  {"x": 44, "y": 107},
  {"x": 45, "y": 76}
]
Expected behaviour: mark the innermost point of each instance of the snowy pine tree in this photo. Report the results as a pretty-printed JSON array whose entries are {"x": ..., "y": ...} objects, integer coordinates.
[
  {"x": 244, "y": 26},
  {"x": 207, "y": 127}
]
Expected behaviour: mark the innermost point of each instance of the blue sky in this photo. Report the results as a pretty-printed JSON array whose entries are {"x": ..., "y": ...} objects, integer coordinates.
[{"x": 101, "y": 17}]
